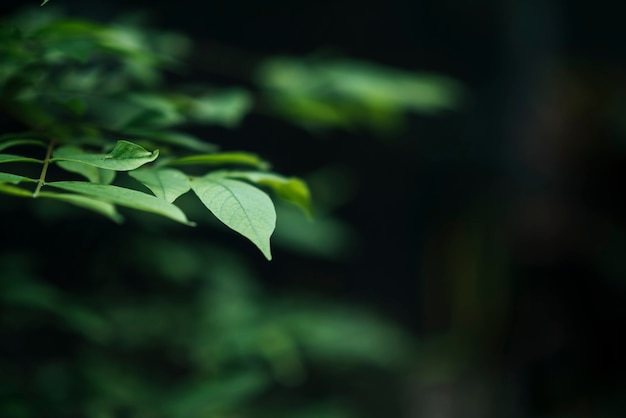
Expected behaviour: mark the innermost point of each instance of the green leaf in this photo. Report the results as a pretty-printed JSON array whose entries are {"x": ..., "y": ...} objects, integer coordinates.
[
  {"x": 93, "y": 174},
  {"x": 346, "y": 93},
  {"x": 15, "y": 191},
  {"x": 14, "y": 178},
  {"x": 291, "y": 189},
  {"x": 44, "y": 2},
  {"x": 10, "y": 158},
  {"x": 223, "y": 158},
  {"x": 240, "y": 206},
  {"x": 16, "y": 142},
  {"x": 225, "y": 108},
  {"x": 104, "y": 208},
  {"x": 165, "y": 183},
  {"x": 124, "y": 157},
  {"x": 125, "y": 197}
]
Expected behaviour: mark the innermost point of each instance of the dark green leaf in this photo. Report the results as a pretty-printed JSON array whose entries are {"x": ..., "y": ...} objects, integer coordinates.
[
  {"x": 9, "y": 158},
  {"x": 124, "y": 197},
  {"x": 103, "y": 208},
  {"x": 240, "y": 206},
  {"x": 125, "y": 156},
  {"x": 213, "y": 396},
  {"x": 223, "y": 158},
  {"x": 165, "y": 183}
]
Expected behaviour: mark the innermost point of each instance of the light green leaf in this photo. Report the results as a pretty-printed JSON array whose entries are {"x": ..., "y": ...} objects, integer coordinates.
[
  {"x": 223, "y": 158},
  {"x": 14, "y": 178},
  {"x": 10, "y": 158},
  {"x": 124, "y": 197},
  {"x": 24, "y": 141},
  {"x": 165, "y": 183},
  {"x": 103, "y": 208},
  {"x": 93, "y": 174},
  {"x": 240, "y": 206},
  {"x": 292, "y": 189},
  {"x": 44, "y": 2},
  {"x": 125, "y": 156}
]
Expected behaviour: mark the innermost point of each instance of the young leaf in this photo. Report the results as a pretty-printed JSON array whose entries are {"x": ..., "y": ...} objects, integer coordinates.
[
  {"x": 165, "y": 183},
  {"x": 223, "y": 158},
  {"x": 124, "y": 197},
  {"x": 93, "y": 174},
  {"x": 240, "y": 206},
  {"x": 124, "y": 157},
  {"x": 291, "y": 189},
  {"x": 104, "y": 208}
]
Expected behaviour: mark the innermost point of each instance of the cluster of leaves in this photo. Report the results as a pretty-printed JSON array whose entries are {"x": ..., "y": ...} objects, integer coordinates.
[{"x": 92, "y": 101}]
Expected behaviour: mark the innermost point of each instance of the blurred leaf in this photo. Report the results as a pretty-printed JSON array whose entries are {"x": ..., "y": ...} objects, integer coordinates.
[
  {"x": 103, "y": 208},
  {"x": 325, "y": 238},
  {"x": 225, "y": 108},
  {"x": 125, "y": 156},
  {"x": 291, "y": 189},
  {"x": 240, "y": 206},
  {"x": 346, "y": 335},
  {"x": 44, "y": 2},
  {"x": 165, "y": 183},
  {"x": 9, "y": 158},
  {"x": 15, "y": 191},
  {"x": 14, "y": 178},
  {"x": 223, "y": 158},
  {"x": 210, "y": 398},
  {"x": 157, "y": 110},
  {"x": 124, "y": 197},
  {"x": 347, "y": 92}
]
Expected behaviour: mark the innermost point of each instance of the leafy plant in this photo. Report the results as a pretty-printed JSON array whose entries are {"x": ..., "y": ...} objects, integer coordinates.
[{"x": 94, "y": 105}]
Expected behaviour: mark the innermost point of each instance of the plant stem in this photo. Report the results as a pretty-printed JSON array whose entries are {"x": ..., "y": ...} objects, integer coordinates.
[{"x": 44, "y": 170}]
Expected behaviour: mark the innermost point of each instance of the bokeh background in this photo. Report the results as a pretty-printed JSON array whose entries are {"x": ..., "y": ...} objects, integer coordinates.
[{"x": 464, "y": 262}]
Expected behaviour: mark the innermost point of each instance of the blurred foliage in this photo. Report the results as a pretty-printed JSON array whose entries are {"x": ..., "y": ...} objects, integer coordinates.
[
  {"x": 175, "y": 329},
  {"x": 321, "y": 93}
]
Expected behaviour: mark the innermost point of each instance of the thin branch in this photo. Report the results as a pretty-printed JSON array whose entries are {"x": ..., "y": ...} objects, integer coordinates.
[{"x": 44, "y": 170}]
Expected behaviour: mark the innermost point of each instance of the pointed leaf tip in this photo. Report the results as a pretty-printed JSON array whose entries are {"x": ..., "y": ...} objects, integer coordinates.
[{"x": 240, "y": 206}]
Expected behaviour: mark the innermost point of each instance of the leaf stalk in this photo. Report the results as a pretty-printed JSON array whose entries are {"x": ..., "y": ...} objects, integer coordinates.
[{"x": 44, "y": 170}]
